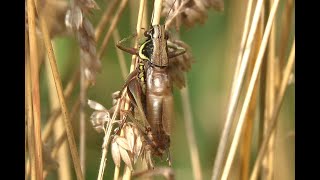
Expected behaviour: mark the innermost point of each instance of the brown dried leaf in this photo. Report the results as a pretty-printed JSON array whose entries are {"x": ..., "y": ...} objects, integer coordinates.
[
  {"x": 96, "y": 106},
  {"x": 115, "y": 153},
  {"x": 125, "y": 157}
]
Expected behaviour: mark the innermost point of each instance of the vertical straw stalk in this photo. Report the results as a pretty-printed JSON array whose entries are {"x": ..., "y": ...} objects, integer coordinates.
[
  {"x": 233, "y": 101},
  {"x": 270, "y": 95},
  {"x": 249, "y": 92},
  {"x": 35, "y": 94},
  {"x": 31, "y": 144},
  {"x": 64, "y": 171},
  {"x": 246, "y": 139},
  {"x": 58, "y": 85},
  {"x": 194, "y": 152},
  {"x": 279, "y": 99}
]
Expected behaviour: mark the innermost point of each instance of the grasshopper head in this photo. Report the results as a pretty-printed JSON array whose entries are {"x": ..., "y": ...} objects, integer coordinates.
[{"x": 154, "y": 49}]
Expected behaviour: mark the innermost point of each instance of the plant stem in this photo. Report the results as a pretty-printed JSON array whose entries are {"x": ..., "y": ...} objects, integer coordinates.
[
  {"x": 250, "y": 91},
  {"x": 283, "y": 87},
  {"x": 34, "y": 70},
  {"x": 194, "y": 152},
  {"x": 235, "y": 95},
  {"x": 58, "y": 85}
]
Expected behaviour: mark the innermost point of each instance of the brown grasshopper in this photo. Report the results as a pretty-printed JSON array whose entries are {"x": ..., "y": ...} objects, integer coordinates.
[{"x": 150, "y": 86}]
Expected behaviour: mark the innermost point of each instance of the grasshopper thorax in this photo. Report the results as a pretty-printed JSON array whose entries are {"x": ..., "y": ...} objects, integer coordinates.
[{"x": 154, "y": 49}]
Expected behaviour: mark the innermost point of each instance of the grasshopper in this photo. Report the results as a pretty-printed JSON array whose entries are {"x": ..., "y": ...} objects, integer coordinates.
[{"x": 150, "y": 86}]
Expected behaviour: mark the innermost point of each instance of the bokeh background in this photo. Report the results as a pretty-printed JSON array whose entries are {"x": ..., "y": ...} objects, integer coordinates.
[{"x": 214, "y": 46}]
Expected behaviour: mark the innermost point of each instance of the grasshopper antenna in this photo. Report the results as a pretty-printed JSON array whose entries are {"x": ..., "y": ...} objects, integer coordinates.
[{"x": 169, "y": 11}]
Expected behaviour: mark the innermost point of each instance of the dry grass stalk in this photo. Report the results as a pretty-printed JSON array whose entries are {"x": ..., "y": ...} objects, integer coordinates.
[
  {"x": 64, "y": 171},
  {"x": 286, "y": 20},
  {"x": 34, "y": 70},
  {"x": 270, "y": 95},
  {"x": 284, "y": 83},
  {"x": 242, "y": 43},
  {"x": 58, "y": 85},
  {"x": 112, "y": 27},
  {"x": 62, "y": 137},
  {"x": 105, "y": 18},
  {"x": 249, "y": 92},
  {"x": 233, "y": 101},
  {"x": 55, "y": 113},
  {"x": 246, "y": 139},
  {"x": 31, "y": 144},
  {"x": 194, "y": 152}
]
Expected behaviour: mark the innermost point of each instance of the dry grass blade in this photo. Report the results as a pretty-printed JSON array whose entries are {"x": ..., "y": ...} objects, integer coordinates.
[
  {"x": 31, "y": 145},
  {"x": 62, "y": 156},
  {"x": 34, "y": 70},
  {"x": 112, "y": 27},
  {"x": 194, "y": 153},
  {"x": 283, "y": 87},
  {"x": 246, "y": 137},
  {"x": 243, "y": 43},
  {"x": 285, "y": 31},
  {"x": 58, "y": 84},
  {"x": 249, "y": 92},
  {"x": 105, "y": 18},
  {"x": 235, "y": 95}
]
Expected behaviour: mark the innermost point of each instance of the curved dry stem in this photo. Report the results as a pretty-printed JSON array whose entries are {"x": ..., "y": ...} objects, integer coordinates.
[
  {"x": 283, "y": 87},
  {"x": 248, "y": 96},
  {"x": 194, "y": 153},
  {"x": 114, "y": 22},
  {"x": 34, "y": 72},
  {"x": 58, "y": 85},
  {"x": 105, "y": 18},
  {"x": 235, "y": 95}
]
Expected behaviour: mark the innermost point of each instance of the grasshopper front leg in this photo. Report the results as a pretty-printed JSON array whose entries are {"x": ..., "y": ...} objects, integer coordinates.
[
  {"x": 178, "y": 50},
  {"x": 129, "y": 50}
]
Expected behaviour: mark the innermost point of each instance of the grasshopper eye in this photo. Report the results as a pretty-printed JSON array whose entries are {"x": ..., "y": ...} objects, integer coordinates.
[{"x": 146, "y": 34}]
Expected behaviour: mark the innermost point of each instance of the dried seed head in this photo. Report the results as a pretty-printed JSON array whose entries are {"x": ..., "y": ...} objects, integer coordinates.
[
  {"x": 124, "y": 151},
  {"x": 180, "y": 64},
  {"x": 84, "y": 30},
  {"x": 99, "y": 117},
  {"x": 189, "y": 12},
  {"x": 115, "y": 152},
  {"x": 73, "y": 19}
]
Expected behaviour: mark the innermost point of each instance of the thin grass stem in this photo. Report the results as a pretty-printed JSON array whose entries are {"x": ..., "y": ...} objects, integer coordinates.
[
  {"x": 34, "y": 70},
  {"x": 249, "y": 92},
  {"x": 194, "y": 152},
  {"x": 235, "y": 95},
  {"x": 112, "y": 27},
  {"x": 58, "y": 85},
  {"x": 282, "y": 90}
]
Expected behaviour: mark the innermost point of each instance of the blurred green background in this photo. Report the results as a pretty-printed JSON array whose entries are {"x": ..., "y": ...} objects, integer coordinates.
[{"x": 214, "y": 47}]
